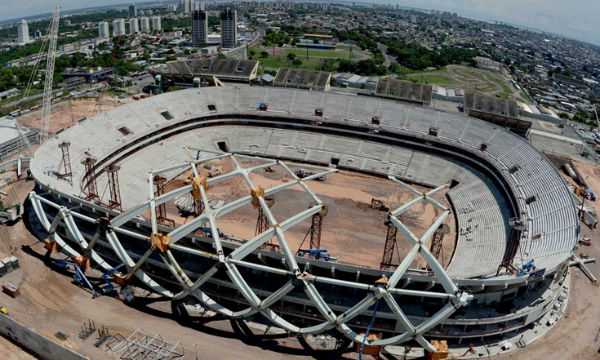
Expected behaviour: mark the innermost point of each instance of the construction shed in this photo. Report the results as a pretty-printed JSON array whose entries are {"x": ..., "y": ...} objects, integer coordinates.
[
  {"x": 404, "y": 90},
  {"x": 303, "y": 79},
  {"x": 502, "y": 112},
  {"x": 185, "y": 71}
]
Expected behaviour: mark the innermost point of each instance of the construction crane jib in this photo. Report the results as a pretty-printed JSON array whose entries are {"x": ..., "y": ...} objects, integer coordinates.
[{"x": 47, "y": 103}]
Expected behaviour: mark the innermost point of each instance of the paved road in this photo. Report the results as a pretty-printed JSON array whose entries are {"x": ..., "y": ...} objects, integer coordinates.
[{"x": 388, "y": 58}]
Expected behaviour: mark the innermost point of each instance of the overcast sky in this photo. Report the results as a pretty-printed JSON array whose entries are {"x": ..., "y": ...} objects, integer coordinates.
[{"x": 574, "y": 18}]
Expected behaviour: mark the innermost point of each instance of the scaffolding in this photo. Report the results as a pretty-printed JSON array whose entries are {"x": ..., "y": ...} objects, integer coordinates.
[
  {"x": 316, "y": 226},
  {"x": 67, "y": 173},
  {"x": 91, "y": 187},
  {"x": 114, "y": 187},
  {"x": 161, "y": 210},
  {"x": 437, "y": 242},
  {"x": 387, "y": 260},
  {"x": 262, "y": 223}
]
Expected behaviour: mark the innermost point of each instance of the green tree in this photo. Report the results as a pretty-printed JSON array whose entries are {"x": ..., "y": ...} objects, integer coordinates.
[{"x": 264, "y": 54}]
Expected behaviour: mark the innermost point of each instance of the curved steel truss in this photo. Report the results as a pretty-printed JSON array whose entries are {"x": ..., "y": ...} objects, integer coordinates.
[{"x": 164, "y": 243}]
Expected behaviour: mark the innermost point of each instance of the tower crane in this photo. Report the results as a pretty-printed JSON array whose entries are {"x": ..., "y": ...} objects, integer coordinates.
[{"x": 50, "y": 58}]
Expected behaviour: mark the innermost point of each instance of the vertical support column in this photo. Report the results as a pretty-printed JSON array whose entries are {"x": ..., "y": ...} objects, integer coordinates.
[
  {"x": 161, "y": 210},
  {"x": 316, "y": 227},
  {"x": 390, "y": 246},
  {"x": 438, "y": 241},
  {"x": 114, "y": 187},
  {"x": 91, "y": 186},
  {"x": 262, "y": 224},
  {"x": 66, "y": 158}
]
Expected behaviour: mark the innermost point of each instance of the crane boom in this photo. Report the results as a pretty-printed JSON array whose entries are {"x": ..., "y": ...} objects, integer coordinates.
[{"x": 47, "y": 102}]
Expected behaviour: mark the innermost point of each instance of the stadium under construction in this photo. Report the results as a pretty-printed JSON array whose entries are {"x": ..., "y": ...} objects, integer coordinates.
[{"x": 250, "y": 202}]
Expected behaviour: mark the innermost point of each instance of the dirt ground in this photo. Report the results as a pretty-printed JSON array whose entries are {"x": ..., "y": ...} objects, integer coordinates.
[
  {"x": 67, "y": 113},
  {"x": 352, "y": 230}
]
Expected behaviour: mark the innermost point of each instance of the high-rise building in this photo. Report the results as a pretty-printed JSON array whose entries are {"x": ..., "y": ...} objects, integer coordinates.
[
  {"x": 156, "y": 24},
  {"x": 145, "y": 24},
  {"x": 103, "y": 30},
  {"x": 134, "y": 26},
  {"x": 118, "y": 27},
  {"x": 132, "y": 11},
  {"x": 199, "y": 26},
  {"x": 23, "y": 32},
  {"x": 187, "y": 6},
  {"x": 229, "y": 28}
]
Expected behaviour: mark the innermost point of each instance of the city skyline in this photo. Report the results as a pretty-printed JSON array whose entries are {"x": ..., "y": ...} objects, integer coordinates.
[{"x": 542, "y": 15}]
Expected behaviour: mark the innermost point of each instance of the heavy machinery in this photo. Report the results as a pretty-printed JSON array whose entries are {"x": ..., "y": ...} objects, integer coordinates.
[
  {"x": 318, "y": 254},
  {"x": 527, "y": 267}
]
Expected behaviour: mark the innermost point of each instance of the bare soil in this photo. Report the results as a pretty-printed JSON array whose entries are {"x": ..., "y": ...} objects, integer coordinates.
[
  {"x": 352, "y": 230},
  {"x": 68, "y": 113}
]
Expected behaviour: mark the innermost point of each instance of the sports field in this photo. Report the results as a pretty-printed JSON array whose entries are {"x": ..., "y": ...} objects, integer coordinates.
[{"x": 311, "y": 58}]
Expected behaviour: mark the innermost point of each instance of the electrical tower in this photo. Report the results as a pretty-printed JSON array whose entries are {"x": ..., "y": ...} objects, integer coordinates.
[{"x": 47, "y": 103}]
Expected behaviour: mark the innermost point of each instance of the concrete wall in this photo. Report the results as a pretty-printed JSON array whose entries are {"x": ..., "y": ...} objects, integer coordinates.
[
  {"x": 35, "y": 343},
  {"x": 456, "y": 99},
  {"x": 543, "y": 117}
]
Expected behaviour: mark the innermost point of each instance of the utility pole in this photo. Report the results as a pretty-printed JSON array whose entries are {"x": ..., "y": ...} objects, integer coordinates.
[{"x": 51, "y": 56}]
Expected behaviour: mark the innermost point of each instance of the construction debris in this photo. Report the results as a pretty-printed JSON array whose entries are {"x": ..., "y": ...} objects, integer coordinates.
[
  {"x": 87, "y": 329},
  {"x": 377, "y": 204},
  {"x": 140, "y": 346},
  {"x": 103, "y": 336}
]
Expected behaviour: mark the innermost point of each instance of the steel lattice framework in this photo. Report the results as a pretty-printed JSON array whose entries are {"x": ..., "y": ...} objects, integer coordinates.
[{"x": 164, "y": 243}]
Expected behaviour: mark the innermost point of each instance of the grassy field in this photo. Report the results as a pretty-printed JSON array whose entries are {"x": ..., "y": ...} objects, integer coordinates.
[
  {"x": 433, "y": 78},
  {"x": 311, "y": 58},
  {"x": 338, "y": 53},
  {"x": 456, "y": 76},
  {"x": 275, "y": 62}
]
